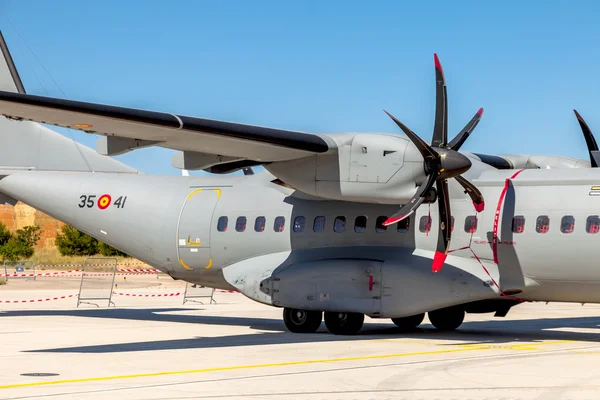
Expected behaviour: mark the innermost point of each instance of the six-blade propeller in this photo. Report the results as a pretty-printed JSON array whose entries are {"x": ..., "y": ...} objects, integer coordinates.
[
  {"x": 590, "y": 141},
  {"x": 441, "y": 161}
]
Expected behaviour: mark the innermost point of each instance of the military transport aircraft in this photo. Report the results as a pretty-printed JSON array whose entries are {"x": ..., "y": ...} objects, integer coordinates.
[{"x": 341, "y": 225}]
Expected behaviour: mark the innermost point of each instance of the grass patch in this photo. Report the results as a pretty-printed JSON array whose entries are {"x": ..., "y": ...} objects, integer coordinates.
[{"x": 2, "y": 281}]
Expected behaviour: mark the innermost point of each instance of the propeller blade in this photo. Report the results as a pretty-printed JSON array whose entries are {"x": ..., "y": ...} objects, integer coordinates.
[
  {"x": 444, "y": 234},
  {"x": 425, "y": 150},
  {"x": 590, "y": 141},
  {"x": 440, "y": 129},
  {"x": 414, "y": 203},
  {"x": 473, "y": 192},
  {"x": 463, "y": 135}
]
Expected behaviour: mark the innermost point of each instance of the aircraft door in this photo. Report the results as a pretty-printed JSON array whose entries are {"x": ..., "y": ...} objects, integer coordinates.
[{"x": 193, "y": 233}]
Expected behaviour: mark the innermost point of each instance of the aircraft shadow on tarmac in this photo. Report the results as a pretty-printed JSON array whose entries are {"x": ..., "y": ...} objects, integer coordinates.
[{"x": 482, "y": 332}]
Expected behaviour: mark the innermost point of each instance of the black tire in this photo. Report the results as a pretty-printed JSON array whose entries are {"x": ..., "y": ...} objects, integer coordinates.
[
  {"x": 447, "y": 319},
  {"x": 302, "y": 321},
  {"x": 343, "y": 323},
  {"x": 409, "y": 323}
]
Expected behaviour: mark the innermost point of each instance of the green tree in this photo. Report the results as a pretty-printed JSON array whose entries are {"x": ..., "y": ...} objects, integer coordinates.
[
  {"x": 72, "y": 242},
  {"x": 21, "y": 245},
  {"x": 5, "y": 234},
  {"x": 109, "y": 251}
]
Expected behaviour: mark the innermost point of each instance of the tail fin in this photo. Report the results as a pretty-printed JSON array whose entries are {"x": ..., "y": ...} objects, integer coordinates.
[{"x": 26, "y": 145}]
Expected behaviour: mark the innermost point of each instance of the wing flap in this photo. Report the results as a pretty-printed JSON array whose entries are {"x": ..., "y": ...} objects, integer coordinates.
[{"x": 173, "y": 131}]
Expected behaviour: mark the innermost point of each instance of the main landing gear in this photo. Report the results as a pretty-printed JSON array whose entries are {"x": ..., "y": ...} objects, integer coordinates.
[
  {"x": 347, "y": 323},
  {"x": 302, "y": 321},
  {"x": 338, "y": 323},
  {"x": 344, "y": 323},
  {"x": 409, "y": 323},
  {"x": 447, "y": 319}
]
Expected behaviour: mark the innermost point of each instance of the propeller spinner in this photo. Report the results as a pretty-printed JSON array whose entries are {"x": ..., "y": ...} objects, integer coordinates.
[{"x": 442, "y": 161}]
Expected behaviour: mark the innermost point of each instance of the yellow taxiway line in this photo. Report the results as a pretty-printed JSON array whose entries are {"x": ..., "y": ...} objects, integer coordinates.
[{"x": 458, "y": 349}]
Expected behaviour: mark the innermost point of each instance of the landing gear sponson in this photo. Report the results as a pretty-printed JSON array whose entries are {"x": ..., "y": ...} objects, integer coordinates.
[{"x": 346, "y": 323}]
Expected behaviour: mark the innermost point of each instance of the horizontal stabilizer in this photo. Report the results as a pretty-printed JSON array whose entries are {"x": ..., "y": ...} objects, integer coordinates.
[{"x": 10, "y": 80}]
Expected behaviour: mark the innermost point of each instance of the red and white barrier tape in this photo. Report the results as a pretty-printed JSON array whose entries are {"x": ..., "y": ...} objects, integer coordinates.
[
  {"x": 116, "y": 293},
  {"x": 39, "y": 300},
  {"x": 88, "y": 265},
  {"x": 149, "y": 294},
  {"x": 77, "y": 272}
]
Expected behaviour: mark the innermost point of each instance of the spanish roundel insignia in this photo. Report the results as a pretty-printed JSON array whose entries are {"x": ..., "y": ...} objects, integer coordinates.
[{"x": 104, "y": 201}]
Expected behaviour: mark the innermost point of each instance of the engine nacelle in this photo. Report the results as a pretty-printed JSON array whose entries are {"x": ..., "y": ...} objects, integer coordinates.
[{"x": 366, "y": 167}]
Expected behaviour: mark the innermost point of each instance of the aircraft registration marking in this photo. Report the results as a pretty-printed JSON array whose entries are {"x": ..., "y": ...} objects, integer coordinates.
[
  {"x": 103, "y": 202},
  {"x": 460, "y": 349}
]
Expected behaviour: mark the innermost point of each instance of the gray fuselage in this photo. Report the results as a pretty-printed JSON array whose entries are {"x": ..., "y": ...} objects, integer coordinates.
[{"x": 172, "y": 223}]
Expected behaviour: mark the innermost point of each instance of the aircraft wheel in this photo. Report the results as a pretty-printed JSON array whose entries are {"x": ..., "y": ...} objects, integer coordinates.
[
  {"x": 302, "y": 321},
  {"x": 344, "y": 323},
  {"x": 409, "y": 323},
  {"x": 447, "y": 319}
]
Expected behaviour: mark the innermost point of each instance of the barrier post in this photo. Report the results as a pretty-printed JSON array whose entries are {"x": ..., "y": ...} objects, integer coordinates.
[
  {"x": 195, "y": 292},
  {"x": 99, "y": 288}
]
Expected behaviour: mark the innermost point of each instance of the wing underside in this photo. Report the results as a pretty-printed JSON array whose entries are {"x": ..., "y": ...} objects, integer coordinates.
[{"x": 163, "y": 129}]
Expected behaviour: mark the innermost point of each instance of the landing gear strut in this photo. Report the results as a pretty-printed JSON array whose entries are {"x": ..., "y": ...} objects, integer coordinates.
[
  {"x": 302, "y": 321},
  {"x": 409, "y": 323},
  {"x": 344, "y": 323},
  {"x": 447, "y": 319}
]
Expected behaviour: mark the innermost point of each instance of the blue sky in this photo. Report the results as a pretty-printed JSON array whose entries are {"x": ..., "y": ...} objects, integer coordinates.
[{"x": 323, "y": 66}]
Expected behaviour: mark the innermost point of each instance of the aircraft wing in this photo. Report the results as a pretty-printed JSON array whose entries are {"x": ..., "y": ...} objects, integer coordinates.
[{"x": 139, "y": 128}]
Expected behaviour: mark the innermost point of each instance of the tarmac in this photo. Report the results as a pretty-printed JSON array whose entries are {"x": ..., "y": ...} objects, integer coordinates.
[{"x": 158, "y": 348}]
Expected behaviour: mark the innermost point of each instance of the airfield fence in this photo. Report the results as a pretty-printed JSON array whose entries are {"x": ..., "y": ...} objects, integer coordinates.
[
  {"x": 195, "y": 293},
  {"x": 20, "y": 269},
  {"x": 94, "y": 287}
]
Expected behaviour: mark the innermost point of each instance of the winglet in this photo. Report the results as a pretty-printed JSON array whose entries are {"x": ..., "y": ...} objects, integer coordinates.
[{"x": 438, "y": 261}]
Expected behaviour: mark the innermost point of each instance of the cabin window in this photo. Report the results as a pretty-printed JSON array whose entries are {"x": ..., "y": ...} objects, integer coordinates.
[
  {"x": 339, "y": 225},
  {"x": 259, "y": 224},
  {"x": 360, "y": 224},
  {"x": 279, "y": 224},
  {"x": 451, "y": 224},
  {"x": 542, "y": 224},
  {"x": 592, "y": 224},
  {"x": 425, "y": 224},
  {"x": 299, "y": 223},
  {"x": 222, "y": 224},
  {"x": 404, "y": 225},
  {"x": 518, "y": 224},
  {"x": 379, "y": 227},
  {"x": 319, "y": 224},
  {"x": 240, "y": 224},
  {"x": 567, "y": 224},
  {"x": 471, "y": 224}
]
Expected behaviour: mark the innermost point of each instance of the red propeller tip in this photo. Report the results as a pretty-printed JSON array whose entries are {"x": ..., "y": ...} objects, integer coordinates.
[
  {"x": 391, "y": 221},
  {"x": 480, "y": 112},
  {"x": 577, "y": 115},
  {"x": 479, "y": 206},
  {"x": 438, "y": 261},
  {"x": 437, "y": 63}
]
